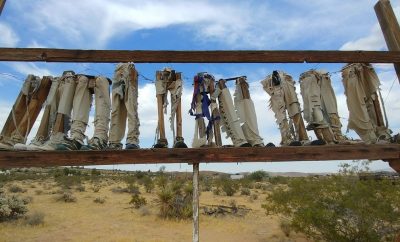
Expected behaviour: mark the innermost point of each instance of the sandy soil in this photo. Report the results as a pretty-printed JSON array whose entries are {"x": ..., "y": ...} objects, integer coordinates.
[{"x": 85, "y": 220}]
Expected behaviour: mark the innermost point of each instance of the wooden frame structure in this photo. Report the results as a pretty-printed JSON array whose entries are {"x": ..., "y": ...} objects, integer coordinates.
[{"x": 390, "y": 153}]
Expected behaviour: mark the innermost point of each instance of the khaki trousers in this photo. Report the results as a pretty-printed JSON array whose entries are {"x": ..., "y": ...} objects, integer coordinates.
[
  {"x": 284, "y": 103},
  {"x": 125, "y": 105},
  {"x": 361, "y": 84}
]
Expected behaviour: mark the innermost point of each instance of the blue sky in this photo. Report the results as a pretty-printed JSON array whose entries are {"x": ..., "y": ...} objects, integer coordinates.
[{"x": 197, "y": 25}]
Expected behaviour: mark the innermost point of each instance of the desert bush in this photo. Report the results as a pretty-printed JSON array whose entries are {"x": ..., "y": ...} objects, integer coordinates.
[
  {"x": 148, "y": 184},
  {"x": 67, "y": 182},
  {"x": 174, "y": 205},
  {"x": 206, "y": 185},
  {"x": 67, "y": 197},
  {"x": 138, "y": 201},
  {"x": 100, "y": 200},
  {"x": 229, "y": 188},
  {"x": 216, "y": 191},
  {"x": 96, "y": 188},
  {"x": 81, "y": 188},
  {"x": 16, "y": 189},
  {"x": 176, "y": 186},
  {"x": 161, "y": 181},
  {"x": 27, "y": 199},
  {"x": 34, "y": 219},
  {"x": 339, "y": 208},
  {"x": 245, "y": 191},
  {"x": 254, "y": 196},
  {"x": 257, "y": 176},
  {"x": 11, "y": 207}
]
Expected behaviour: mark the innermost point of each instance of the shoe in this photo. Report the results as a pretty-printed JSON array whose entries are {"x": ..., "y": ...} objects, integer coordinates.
[
  {"x": 5, "y": 146},
  {"x": 131, "y": 146},
  {"x": 270, "y": 145},
  {"x": 245, "y": 145},
  {"x": 161, "y": 143},
  {"x": 50, "y": 144},
  {"x": 259, "y": 145},
  {"x": 318, "y": 142},
  {"x": 69, "y": 144},
  {"x": 295, "y": 143},
  {"x": 180, "y": 144},
  {"x": 20, "y": 146},
  {"x": 95, "y": 144},
  {"x": 114, "y": 146}
]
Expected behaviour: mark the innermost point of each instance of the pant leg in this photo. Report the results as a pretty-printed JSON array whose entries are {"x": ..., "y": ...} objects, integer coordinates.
[
  {"x": 359, "y": 119},
  {"x": 118, "y": 113},
  {"x": 102, "y": 108},
  {"x": 49, "y": 114},
  {"x": 131, "y": 103},
  {"x": 81, "y": 108},
  {"x": 277, "y": 105}
]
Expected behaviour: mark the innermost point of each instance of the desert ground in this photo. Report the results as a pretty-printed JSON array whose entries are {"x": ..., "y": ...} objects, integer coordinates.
[{"x": 116, "y": 220}]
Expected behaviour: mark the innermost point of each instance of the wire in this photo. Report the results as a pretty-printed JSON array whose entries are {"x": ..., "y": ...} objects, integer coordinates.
[{"x": 387, "y": 96}]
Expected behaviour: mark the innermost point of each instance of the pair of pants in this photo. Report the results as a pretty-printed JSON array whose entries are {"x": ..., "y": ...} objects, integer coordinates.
[
  {"x": 320, "y": 105},
  {"x": 25, "y": 110},
  {"x": 365, "y": 115},
  {"x": 284, "y": 103},
  {"x": 172, "y": 82},
  {"x": 77, "y": 97},
  {"x": 125, "y": 105}
]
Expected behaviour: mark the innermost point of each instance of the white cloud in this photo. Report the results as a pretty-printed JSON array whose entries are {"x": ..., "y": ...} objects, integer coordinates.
[
  {"x": 373, "y": 41},
  {"x": 238, "y": 24},
  {"x": 27, "y": 68},
  {"x": 8, "y": 37}
]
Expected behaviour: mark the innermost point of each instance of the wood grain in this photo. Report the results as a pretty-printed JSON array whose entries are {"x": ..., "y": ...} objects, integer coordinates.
[
  {"x": 10, "y": 159},
  {"x": 165, "y": 56}
]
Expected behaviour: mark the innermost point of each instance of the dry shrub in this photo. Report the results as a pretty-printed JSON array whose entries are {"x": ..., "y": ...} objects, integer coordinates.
[{"x": 34, "y": 219}]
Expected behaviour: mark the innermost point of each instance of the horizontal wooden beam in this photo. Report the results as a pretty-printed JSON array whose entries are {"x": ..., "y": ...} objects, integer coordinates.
[
  {"x": 9, "y": 159},
  {"x": 166, "y": 56}
]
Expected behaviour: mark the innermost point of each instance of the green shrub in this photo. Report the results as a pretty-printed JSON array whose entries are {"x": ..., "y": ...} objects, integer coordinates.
[
  {"x": 11, "y": 207},
  {"x": 257, "y": 176},
  {"x": 16, "y": 189},
  {"x": 138, "y": 201},
  {"x": 100, "y": 200},
  {"x": 148, "y": 184},
  {"x": 174, "y": 205},
  {"x": 339, "y": 208},
  {"x": 245, "y": 192},
  {"x": 35, "y": 219},
  {"x": 67, "y": 197}
]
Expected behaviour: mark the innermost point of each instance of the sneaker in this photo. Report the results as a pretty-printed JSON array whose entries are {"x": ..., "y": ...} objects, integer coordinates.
[
  {"x": 245, "y": 145},
  {"x": 318, "y": 142},
  {"x": 20, "y": 146},
  {"x": 270, "y": 145},
  {"x": 180, "y": 144},
  {"x": 5, "y": 146},
  {"x": 114, "y": 146},
  {"x": 95, "y": 144},
  {"x": 161, "y": 143},
  {"x": 259, "y": 145},
  {"x": 131, "y": 146},
  {"x": 295, "y": 143},
  {"x": 51, "y": 144},
  {"x": 69, "y": 144}
]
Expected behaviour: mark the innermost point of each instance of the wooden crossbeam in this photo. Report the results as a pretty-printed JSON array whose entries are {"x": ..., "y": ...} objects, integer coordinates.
[
  {"x": 2, "y": 3},
  {"x": 10, "y": 159},
  {"x": 166, "y": 56}
]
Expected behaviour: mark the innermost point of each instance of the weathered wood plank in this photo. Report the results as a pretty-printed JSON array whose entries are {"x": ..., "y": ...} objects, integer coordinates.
[
  {"x": 165, "y": 56},
  {"x": 2, "y": 3},
  {"x": 200, "y": 155},
  {"x": 390, "y": 28}
]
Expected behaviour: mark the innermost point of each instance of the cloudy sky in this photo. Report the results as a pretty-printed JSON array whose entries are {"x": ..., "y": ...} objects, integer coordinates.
[{"x": 198, "y": 25}]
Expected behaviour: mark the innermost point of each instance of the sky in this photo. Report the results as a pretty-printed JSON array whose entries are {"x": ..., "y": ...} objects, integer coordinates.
[{"x": 198, "y": 25}]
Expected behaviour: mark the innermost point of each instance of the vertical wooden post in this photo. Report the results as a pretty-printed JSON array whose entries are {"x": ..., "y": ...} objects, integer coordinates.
[
  {"x": 195, "y": 202},
  {"x": 390, "y": 28},
  {"x": 2, "y": 3}
]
